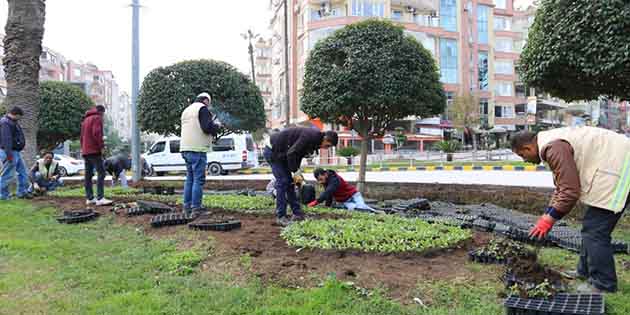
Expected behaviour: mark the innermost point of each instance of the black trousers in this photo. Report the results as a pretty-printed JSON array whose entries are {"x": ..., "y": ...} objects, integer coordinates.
[
  {"x": 93, "y": 162},
  {"x": 596, "y": 257}
]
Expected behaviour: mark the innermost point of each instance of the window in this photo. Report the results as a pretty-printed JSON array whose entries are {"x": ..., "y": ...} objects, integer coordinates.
[
  {"x": 504, "y": 88},
  {"x": 448, "y": 60},
  {"x": 397, "y": 15},
  {"x": 319, "y": 34},
  {"x": 427, "y": 42},
  {"x": 368, "y": 8},
  {"x": 502, "y": 23},
  {"x": 504, "y": 67},
  {"x": 76, "y": 72},
  {"x": 483, "y": 71},
  {"x": 504, "y": 44},
  {"x": 500, "y": 4},
  {"x": 520, "y": 109},
  {"x": 506, "y": 111},
  {"x": 175, "y": 146},
  {"x": 483, "y": 106},
  {"x": 520, "y": 90},
  {"x": 482, "y": 24},
  {"x": 158, "y": 147},
  {"x": 223, "y": 144},
  {"x": 448, "y": 15}
]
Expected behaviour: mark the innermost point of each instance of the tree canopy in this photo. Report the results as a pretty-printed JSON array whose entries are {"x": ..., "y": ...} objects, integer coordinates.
[
  {"x": 371, "y": 72},
  {"x": 368, "y": 75},
  {"x": 579, "y": 50},
  {"x": 61, "y": 112},
  {"x": 167, "y": 91}
]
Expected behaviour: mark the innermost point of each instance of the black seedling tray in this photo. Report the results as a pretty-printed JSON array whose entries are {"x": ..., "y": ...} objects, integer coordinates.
[
  {"x": 152, "y": 207},
  {"x": 159, "y": 190},
  {"x": 171, "y": 219},
  {"x": 215, "y": 225},
  {"x": 577, "y": 304},
  {"x": 476, "y": 256},
  {"x": 523, "y": 236},
  {"x": 483, "y": 225},
  {"x": 73, "y": 217}
]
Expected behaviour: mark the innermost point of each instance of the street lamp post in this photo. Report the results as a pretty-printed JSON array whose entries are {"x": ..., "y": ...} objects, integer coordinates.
[
  {"x": 135, "y": 86},
  {"x": 249, "y": 36}
]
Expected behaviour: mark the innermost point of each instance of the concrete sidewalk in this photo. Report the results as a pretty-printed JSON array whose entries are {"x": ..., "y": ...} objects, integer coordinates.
[{"x": 498, "y": 178}]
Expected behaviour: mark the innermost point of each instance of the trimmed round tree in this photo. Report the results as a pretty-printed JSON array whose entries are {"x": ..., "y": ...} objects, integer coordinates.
[
  {"x": 63, "y": 106},
  {"x": 167, "y": 91},
  {"x": 579, "y": 50},
  {"x": 366, "y": 76}
]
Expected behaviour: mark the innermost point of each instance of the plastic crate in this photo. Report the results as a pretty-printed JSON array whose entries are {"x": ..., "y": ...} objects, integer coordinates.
[{"x": 577, "y": 304}]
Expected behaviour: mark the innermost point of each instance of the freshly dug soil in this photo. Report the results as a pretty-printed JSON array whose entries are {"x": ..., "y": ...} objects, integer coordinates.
[{"x": 273, "y": 261}]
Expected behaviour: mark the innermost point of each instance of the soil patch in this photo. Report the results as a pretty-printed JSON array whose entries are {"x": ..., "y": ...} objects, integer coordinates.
[{"x": 259, "y": 251}]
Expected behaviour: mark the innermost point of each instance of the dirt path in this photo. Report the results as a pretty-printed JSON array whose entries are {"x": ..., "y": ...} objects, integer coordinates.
[{"x": 257, "y": 249}]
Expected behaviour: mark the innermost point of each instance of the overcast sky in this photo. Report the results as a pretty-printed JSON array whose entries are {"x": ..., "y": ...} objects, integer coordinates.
[{"x": 99, "y": 31}]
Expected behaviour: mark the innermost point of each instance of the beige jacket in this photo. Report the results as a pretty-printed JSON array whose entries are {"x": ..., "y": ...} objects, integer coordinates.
[{"x": 602, "y": 158}]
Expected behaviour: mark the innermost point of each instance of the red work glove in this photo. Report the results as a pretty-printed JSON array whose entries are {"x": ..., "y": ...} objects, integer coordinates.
[
  {"x": 10, "y": 158},
  {"x": 313, "y": 203},
  {"x": 542, "y": 227}
]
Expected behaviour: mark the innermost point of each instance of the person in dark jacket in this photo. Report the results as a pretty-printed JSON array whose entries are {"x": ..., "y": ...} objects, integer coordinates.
[
  {"x": 92, "y": 146},
  {"x": 284, "y": 153},
  {"x": 45, "y": 175},
  {"x": 338, "y": 189},
  {"x": 12, "y": 143},
  {"x": 116, "y": 166}
]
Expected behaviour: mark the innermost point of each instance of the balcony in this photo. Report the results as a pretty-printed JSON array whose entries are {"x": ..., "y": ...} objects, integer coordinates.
[{"x": 419, "y": 5}]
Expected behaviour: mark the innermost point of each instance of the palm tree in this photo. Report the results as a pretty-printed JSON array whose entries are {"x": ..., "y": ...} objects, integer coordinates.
[{"x": 23, "y": 46}]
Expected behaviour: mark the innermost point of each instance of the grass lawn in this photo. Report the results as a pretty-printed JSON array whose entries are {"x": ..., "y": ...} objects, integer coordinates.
[{"x": 106, "y": 268}]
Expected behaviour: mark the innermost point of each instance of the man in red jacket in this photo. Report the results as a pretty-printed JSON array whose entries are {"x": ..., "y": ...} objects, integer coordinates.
[
  {"x": 340, "y": 190},
  {"x": 92, "y": 145}
]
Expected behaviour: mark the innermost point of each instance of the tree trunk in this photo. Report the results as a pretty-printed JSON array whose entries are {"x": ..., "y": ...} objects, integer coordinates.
[
  {"x": 474, "y": 143},
  {"x": 23, "y": 47},
  {"x": 363, "y": 164}
]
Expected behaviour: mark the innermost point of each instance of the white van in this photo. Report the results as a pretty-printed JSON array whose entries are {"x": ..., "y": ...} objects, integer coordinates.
[{"x": 230, "y": 153}]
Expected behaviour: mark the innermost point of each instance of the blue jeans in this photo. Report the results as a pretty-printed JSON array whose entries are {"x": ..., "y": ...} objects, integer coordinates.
[
  {"x": 356, "y": 202},
  {"x": 285, "y": 188},
  {"x": 7, "y": 173},
  {"x": 122, "y": 177},
  {"x": 196, "y": 163},
  {"x": 49, "y": 184}
]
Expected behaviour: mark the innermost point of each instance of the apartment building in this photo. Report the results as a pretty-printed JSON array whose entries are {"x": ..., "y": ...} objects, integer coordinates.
[
  {"x": 475, "y": 43},
  {"x": 263, "y": 74}
]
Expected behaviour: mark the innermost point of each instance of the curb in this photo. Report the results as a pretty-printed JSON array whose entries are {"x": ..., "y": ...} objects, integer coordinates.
[{"x": 528, "y": 168}]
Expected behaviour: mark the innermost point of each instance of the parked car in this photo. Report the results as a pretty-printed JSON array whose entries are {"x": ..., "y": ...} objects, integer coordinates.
[
  {"x": 69, "y": 165},
  {"x": 229, "y": 153}
]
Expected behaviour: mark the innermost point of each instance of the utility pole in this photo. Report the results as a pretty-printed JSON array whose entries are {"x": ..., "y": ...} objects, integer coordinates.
[
  {"x": 135, "y": 86},
  {"x": 249, "y": 36},
  {"x": 287, "y": 95}
]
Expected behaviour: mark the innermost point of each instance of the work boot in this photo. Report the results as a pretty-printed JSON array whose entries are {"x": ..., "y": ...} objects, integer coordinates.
[
  {"x": 26, "y": 196},
  {"x": 587, "y": 288},
  {"x": 196, "y": 212},
  {"x": 283, "y": 221},
  {"x": 298, "y": 217}
]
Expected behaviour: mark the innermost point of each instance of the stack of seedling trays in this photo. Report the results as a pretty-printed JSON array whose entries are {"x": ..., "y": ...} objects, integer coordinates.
[
  {"x": 560, "y": 304},
  {"x": 170, "y": 219},
  {"x": 79, "y": 216},
  {"x": 148, "y": 207},
  {"x": 222, "y": 224}
]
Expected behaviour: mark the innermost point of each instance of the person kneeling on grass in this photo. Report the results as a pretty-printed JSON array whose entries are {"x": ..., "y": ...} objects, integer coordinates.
[
  {"x": 337, "y": 188},
  {"x": 116, "y": 166},
  {"x": 45, "y": 175}
]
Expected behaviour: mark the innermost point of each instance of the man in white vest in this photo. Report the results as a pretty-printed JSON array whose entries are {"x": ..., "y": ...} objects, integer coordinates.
[
  {"x": 591, "y": 165},
  {"x": 198, "y": 129},
  {"x": 45, "y": 175}
]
